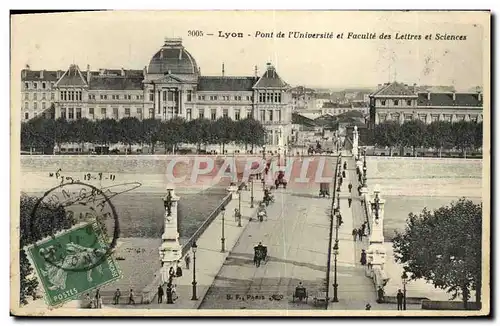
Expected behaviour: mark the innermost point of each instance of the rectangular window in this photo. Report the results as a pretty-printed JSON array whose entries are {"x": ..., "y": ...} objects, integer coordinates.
[
  {"x": 262, "y": 115},
  {"x": 434, "y": 118},
  {"x": 115, "y": 113},
  {"x": 159, "y": 109},
  {"x": 396, "y": 102},
  {"x": 151, "y": 96},
  {"x": 34, "y": 96},
  {"x": 26, "y": 105},
  {"x": 188, "y": 114},
  {"x": 103, "y": 112},
  {"x": 27, "y": 96},
  {"x": 213, "y": 114},
  {"x": 279, "y": 115},
  {"x": 52, "y": 96},
  {"x": 43, "y": 96},
  {"x": 71, "y": 113},
  {"x": 249, "y": 114},
  {"x": 225, "y": 113},
  {"x": 201, "y": 113},
  {"x": 164, "y": 113},
  {"x": 213, "y": 97},
  {"x": 261, "y": 97},
  {"x": 26, "y": 116},
  {"x": 237, "y": 115},
  {"x": 127, "y": 112},
  {"x": 201, "y": 97},
  {"x": 78, "y": 113},
  {"x": 34, "y": 106},
  {"x": 63, "y": 113},
  {"x": 102, "y": 97},
  {"x": 170, "y": 96},
  {"x": 237, "y": 98},
  {"x": 43, "y": 105},
  {"x": 26, "y": 85},
  {"x": 43, "y": 85},
  {"x": 408, "y": 102},
  {"x": 151, "y": 113},
  {"x": 248, "y": 98},
  {"x": 382, "y": 102},
  {"x": 35, "y": 85},
  {"x": 91, "y": 112},
  {"x": 189, "y": 96},
  {"x": 79, "y": 95},
  {"x": 164, "y": 96},
  {"x": 270, "y": 115}
]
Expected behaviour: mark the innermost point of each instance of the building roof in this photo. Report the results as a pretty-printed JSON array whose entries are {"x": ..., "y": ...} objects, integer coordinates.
[
  {"x": 270, "y": 79},
  {"x": 72, "y": 77},
  {"x": 219, "y": 83},
  {"x": 173, "y": 58},
  {"x": 446, "y": 99},
  {"x": 394, "y": 88},
  {"x": 115, "y": 83},
  {"x": 36, "y": 75},
  {"x": 301, "y": 120},
  {"x": 434, "y": 89}
]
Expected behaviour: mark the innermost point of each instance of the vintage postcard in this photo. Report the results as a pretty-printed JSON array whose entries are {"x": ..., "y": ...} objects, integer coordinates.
[{"x": 250, "y": 163}]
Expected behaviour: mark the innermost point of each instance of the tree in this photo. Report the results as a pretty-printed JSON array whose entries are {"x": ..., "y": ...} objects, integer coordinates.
[
  {"x": 224, "y": 131},
  {"x": 107, "y": 131},
  {"x": 413, "y": 134},
  {"x": 463, "y": 135},
  {"x": 388, "y": 134},
  {"x": 130, "y": 130},
  {"x": 444, "y": 247},
  {"x": 47, "y": 220},
  {"x": 439, "y": 135},
  {"x": 256, "y": 132},
  {"x": 151, "y": 132},
  {"x": 198, "y": 132},
  {"x": 172, "y": 133},
  {"x": 478, "y": 138}
]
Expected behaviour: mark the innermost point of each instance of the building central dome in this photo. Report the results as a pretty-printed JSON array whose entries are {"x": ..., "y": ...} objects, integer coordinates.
[{"x": 172, "y": 58}]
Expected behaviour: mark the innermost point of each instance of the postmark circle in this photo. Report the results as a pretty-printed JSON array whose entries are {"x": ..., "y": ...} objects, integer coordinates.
[{"x": 94, "y": 201}]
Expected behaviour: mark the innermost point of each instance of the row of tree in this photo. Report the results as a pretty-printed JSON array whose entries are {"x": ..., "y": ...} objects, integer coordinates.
[
  {"x": 45, "y": 133},
  {"x": 462, "y": 135}
]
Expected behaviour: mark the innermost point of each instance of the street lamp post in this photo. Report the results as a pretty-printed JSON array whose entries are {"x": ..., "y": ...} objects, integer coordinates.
[
  {"x": 404, "y": 279},
  {"x": 193, "y": 248},
  {"x": 222, "y": 239},
  {"x": 335, "y": 254},
  {"x": 239, "y": 207},
  {"x": 251, "y": 198},
  {"x": 264, "y": 152}
]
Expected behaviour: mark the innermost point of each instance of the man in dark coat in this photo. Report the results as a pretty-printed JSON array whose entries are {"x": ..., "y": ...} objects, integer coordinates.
[
  {"x": 360, "y": 234},
  {"x": 363, "y": 257},
  {"x": 350, "y": 186},
  {"x": 349, "y": 200},
  {"x": 399, "y": 298},
  {"x": 160, "y": 294}
]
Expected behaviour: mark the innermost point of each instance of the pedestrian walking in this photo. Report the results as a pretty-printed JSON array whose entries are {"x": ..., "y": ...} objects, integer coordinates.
[
  {"x": 345, "y": 165},
  {"x": 131, "y": 299},
  {"x": 350, "y": 186},
  {"x": 399, "y": 298},
  {"x": 343, "y": 174},
  {"x": 98, "y": 301},
  {"x": 116, "y": 297},
  {"x": 380, "y": 295},
  {"x": 368, "y": 306},
  {"x": 354, "y": 234},
  {"x": 171, "y": 272},
  {"x": 363, "y": 228},
  {"x": 174, "y": 292},
  {"x": 349, "y": 200},
  {"x": 360, "y": 234},
  {"x": 160, "y": 294},
  {"x": 363, "y": 257},
  {"x": 88, "y": 301},
  {"x": 178, "y": 272},
  {"x": 187, "y": 260}
]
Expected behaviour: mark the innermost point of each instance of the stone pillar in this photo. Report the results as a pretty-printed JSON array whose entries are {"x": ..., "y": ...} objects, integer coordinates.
[
  {"x": 233, "y": 190},
  {"x": 170, "y": 249},
  {"x": 355, "y": 141},
  {"x": 376, "y": 251}
]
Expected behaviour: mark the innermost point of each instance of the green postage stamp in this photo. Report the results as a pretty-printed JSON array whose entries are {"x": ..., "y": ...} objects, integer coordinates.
[{"x": 72, "y": 263}]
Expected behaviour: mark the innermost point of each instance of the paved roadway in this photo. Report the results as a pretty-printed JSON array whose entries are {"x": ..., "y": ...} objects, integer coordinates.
[{"x": 296, "y": 235}]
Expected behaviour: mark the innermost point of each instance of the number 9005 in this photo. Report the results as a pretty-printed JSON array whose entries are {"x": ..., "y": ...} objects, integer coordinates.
[{"x": 195, "y": 33}]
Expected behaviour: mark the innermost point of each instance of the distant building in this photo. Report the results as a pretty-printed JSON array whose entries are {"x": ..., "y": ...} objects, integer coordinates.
[
  {"x": 303, "y": 98},
  {"x": 170, "y": 86},
  {"x": 401, "y": 102},
  {"x": 339, "y": 108}
]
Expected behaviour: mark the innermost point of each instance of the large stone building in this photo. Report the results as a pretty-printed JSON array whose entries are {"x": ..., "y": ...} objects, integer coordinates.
[
  {"x": 170, "y": 86},
  {"x": 401, "y": 102}
]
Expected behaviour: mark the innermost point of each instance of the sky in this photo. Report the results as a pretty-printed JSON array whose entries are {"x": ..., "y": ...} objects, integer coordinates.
[{"x": 129, "y": 39}]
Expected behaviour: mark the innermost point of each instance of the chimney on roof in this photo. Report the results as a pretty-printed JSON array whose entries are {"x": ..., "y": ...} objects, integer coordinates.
[
  {"x": 145, "y": 71},
  {"x": 41, "y": 74},
  {"x": 88, "y": 73},
  {"x": 428, "y": 95},
  {"x": 454, "y": 96},
  {"x": 180, "y": 54},
  {"x": 123, "y": 72},
  {"x": 161, "y": 54},
  {"x": 27, "y": 67},
  {"x": 479, "y": 96},
  {"x": 223, "y": 69},
  {"x": 256, "y": 71}
]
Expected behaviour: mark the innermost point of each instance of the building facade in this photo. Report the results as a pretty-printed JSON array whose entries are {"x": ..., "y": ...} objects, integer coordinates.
[
  {"x": 401, "y": 102},
  {"x": 170, "y": 86}
]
